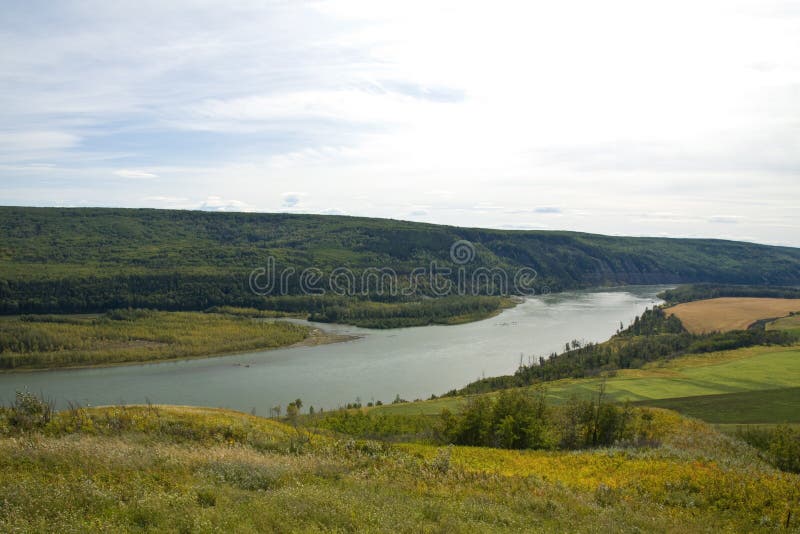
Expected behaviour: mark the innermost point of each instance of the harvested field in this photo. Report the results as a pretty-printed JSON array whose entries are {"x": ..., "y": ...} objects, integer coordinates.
[{"x": 730, "y": 313}]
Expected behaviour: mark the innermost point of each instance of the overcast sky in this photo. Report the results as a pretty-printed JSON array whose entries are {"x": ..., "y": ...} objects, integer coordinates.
[{"x": 675, "y": 118}]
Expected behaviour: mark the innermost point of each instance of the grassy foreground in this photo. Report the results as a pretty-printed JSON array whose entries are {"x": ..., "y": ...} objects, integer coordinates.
[
  {"x": 175, "y": 469},
  {"x": 126, "y": 336}
]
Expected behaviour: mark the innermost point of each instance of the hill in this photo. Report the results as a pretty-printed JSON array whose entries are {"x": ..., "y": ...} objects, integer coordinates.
[
  {"x": 60, "y": 260},
  {"x": 165, "y": 469}
]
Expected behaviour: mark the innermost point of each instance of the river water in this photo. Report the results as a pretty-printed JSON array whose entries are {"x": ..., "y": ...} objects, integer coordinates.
[{"x": 411, "y": 362}]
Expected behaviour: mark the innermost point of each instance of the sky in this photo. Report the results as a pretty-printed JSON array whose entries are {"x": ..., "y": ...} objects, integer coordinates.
[{"x": 677, "y": 118}]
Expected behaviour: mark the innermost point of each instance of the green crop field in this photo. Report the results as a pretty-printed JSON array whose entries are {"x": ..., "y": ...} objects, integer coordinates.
[
  {"x": 750, "y": 369},
  {"x": 747, "y": 407}
]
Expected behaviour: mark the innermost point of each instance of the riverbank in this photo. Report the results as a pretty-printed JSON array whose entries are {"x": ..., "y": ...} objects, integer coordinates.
[
  {"x": 36, "y": 343},
  {"x": 380, "y": 364}
]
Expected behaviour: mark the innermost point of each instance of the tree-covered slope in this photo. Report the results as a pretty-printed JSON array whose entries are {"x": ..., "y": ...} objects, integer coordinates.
[{"x": 88, "y": 259}]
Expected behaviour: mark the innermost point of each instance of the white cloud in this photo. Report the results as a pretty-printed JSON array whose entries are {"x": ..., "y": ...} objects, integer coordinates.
[
  {"x": 292, "y": 199},
  {"x": 27, "y": 142},
  {"x": 135, "y": 174},
  {"x": 214, "y": 203},
  {"x": 547, "y": 210},
  {"x": 472, "y": 114},
  {"x": 724, "y": 219}
]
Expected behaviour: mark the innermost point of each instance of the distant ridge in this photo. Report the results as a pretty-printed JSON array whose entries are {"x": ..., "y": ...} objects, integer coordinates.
[{"x": 86, "y": 259}]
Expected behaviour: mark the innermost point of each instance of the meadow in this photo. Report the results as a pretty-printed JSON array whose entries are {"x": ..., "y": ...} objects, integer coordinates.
[
  {"x": 758, "y": 407},
  {"x": 730, "y": 313},
  {"x": 127, "y": 336},
  {"x": 174, "y": 469}
]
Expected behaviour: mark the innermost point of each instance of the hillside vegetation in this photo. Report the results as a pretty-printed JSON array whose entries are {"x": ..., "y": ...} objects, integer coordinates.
[
  {"x": 171, "y": 469},
  {"x": 58, "y": 260}
]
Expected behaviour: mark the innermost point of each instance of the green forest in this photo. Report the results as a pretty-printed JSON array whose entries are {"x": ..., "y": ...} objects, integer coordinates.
[{"x": 78, "y": 260}]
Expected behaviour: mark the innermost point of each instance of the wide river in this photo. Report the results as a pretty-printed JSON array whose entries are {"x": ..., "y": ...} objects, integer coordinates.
[{"x": 411, "y": 362}]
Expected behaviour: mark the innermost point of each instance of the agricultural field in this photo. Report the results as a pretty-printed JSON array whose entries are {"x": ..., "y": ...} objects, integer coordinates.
[
  {"x": 743, "y": 408},
  {"x": 159, "y": 468},
  {"x": 790, "y": 323},
  {"x": 773, "y": 369},
  {"x": 730, "y": 313},
  {"x": 128, "y": 336}
]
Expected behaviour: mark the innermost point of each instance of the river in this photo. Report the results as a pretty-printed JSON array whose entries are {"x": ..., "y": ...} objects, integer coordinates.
[{"x": 411, "y": 362}]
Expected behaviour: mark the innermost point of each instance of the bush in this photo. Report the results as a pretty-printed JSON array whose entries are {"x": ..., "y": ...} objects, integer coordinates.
[
  {"x": 519, "y": 419},
  {"x": 29, "y": 411},
  {"x": 780, "y": 445},
  {"x": 784, "y": 448}
]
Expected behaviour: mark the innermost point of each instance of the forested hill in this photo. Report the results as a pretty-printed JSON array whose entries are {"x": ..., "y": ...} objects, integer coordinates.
[{"x": 82, "y": 259}]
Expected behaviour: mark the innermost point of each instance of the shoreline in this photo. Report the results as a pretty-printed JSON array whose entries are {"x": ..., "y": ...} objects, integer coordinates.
[{"x": 316, "y": 337}]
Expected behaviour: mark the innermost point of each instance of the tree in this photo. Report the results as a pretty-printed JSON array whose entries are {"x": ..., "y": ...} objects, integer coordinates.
[{"x": 292, "y": 411}]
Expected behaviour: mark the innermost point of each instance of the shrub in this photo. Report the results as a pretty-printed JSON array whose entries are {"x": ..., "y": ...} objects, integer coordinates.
[
  {"x": 785, "y": 448},
  {"x": 29, "y": 411}
]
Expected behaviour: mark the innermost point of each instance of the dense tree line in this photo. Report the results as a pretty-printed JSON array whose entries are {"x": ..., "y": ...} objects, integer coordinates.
[
  {"x": 691, "y": 292},
  {"x": 444, "y": 310},
  {"x": 56, "y": 260},
  {"x": 519, "y": 419},
  {"x": 512, "y": 419}
]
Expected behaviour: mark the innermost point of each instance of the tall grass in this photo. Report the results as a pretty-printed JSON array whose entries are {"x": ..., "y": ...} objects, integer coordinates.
[{"x": 169, "y": 469}]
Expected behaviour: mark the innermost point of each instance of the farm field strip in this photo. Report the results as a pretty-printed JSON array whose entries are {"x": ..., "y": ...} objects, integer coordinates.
[
  {"x": 730, "y": 313},
  {"x": 725, "y": 372}
]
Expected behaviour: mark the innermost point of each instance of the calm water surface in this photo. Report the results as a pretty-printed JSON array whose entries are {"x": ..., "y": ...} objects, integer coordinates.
[{"x": 412, "y": 362}]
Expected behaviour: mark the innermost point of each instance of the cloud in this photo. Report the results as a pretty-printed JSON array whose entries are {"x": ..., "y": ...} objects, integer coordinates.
[
  {"x": 215, "y": 203},
  {"x": 36, "y": 141},
  {"x": 334, "y": 98},
  {"x": 170, "y": 201},
  {"x": 292, "y": 199},
  {"x": 135, "y": 174},
  {"x": 547, "y": 210},
  {"x": 724, "y": 219}
]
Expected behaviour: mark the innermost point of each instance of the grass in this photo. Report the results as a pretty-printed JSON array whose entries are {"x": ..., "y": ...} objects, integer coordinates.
[
  {"x": 730, "y": 313},
  {"x": 749, "y": 407},
  {"x": 791, "y": 323},
  {"x": 174, "y": 469},
  {"x": 39, "y": 342},
  {"x": 749, "y": 369}
]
